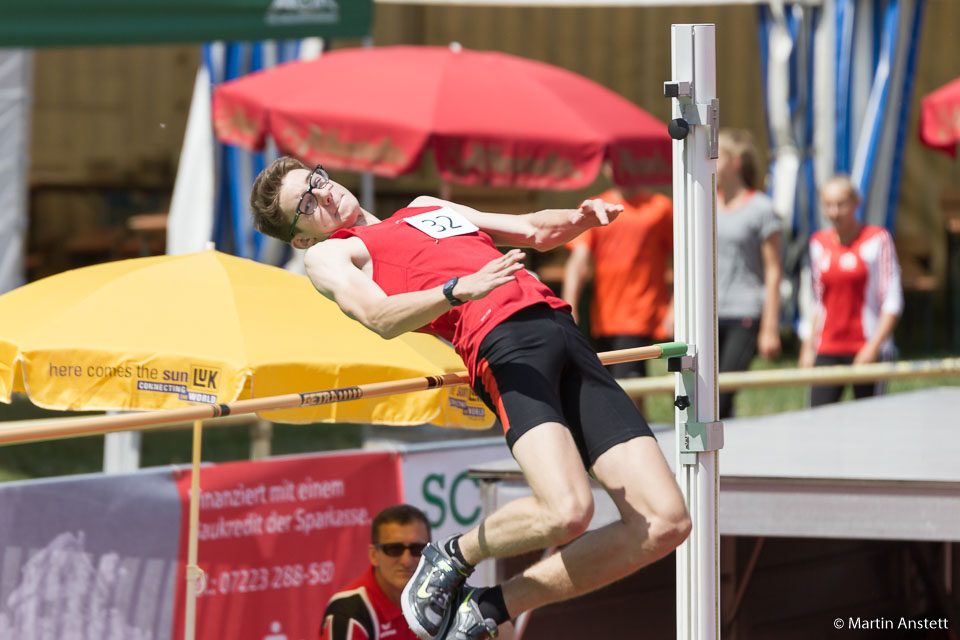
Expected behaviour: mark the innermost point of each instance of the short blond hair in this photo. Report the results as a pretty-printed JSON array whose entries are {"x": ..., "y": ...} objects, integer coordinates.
[{"x": 844, "y": 181}]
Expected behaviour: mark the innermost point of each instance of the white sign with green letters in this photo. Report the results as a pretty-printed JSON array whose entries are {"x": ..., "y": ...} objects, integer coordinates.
[{"x": 435, "y": 480}]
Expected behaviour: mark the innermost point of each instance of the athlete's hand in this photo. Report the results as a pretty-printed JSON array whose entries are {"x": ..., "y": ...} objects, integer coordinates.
[
  {"x": 868, "y": 353},
  {"x": 768, "y": 343},
  {"x": 595, "y": 213},
  {"x": 495, "y": 273},
  {"x": 807, "y": 355}
]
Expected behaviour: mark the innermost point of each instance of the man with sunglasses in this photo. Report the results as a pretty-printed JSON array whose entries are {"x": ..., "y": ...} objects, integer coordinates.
[
  {"x": 369, "y": 607},
  {"x": 434, "y": 267}
]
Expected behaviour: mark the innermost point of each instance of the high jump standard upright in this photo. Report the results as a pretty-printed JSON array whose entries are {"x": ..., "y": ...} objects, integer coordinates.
[{"x": 694, "y": 127}]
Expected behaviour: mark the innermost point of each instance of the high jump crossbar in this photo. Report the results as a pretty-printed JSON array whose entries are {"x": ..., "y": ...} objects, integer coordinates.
[
  {"x": 834, "y": 374},
  {"x": 96, "y": 425}
]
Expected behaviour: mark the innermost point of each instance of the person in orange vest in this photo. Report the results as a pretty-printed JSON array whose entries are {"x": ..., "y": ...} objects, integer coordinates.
[{"x": 632, "y": 301}]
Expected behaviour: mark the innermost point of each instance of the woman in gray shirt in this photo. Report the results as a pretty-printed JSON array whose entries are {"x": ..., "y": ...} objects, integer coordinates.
[{"x": 748, "y": 260}]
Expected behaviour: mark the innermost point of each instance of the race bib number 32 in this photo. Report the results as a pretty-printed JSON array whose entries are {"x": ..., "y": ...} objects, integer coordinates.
[{"x": 442, "y": 223}]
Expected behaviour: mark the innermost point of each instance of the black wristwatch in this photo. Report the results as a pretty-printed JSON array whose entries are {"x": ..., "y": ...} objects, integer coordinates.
[{"x": 448, "y": 291}]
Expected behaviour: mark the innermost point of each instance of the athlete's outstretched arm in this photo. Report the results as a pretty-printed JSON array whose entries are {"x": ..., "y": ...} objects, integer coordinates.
[
  {"x": 331, "y": 268},
  {"x": 542, "y": 230}
]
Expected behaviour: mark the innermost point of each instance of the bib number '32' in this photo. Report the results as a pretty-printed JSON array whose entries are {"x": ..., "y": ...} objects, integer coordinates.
[{"x": 442, "y": 223}]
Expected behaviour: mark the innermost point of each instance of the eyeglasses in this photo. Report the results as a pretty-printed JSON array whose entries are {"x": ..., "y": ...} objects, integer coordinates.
[
  {"x": 396, "y": 549},
  {"x": 317, "y": 179}
]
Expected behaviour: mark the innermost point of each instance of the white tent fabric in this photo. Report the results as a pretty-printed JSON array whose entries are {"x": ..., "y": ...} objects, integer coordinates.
[
  {"x": 16, "y": 71},
  {"x": 190, "y": 223}
]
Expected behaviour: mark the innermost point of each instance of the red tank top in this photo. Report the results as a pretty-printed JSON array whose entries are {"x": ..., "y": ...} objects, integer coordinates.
[
  {"x": 851, "y": 284},
  {"x": 406, "y": 259}
]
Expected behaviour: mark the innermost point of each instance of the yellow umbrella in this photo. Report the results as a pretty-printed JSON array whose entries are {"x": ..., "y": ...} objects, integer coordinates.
[
  {"x": 173, "y": 331},
  {"x": 8, "y": 353}
]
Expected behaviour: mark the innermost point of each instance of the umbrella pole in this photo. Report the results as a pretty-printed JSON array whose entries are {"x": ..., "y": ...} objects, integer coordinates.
[
  {"x": 195, "y": 576},
  {"x": 106, "y": 424}
]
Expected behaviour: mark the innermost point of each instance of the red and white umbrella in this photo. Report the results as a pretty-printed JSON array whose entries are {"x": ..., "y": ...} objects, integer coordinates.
[
  {"x": 489, "y": 118},
  {"x": 940, "y": 118}
]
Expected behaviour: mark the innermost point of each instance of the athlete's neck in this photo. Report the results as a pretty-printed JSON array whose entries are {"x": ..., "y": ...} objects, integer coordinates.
[
  {"x": 365, "y": 219},
  {"x": 733, "y": 196},
  {"x": 393, "y": 594},
  {"x": 632, "y": 195},
  {"x": 848, "y": 234}
]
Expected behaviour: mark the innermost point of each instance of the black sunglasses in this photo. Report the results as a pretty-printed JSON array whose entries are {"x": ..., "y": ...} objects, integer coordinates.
[{"x": 396, "y": 549}]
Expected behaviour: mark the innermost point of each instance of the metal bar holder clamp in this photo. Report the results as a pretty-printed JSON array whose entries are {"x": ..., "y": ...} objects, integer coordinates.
[
  {"x": 693, "y": 113},
  {"x": 696, "y": 437}
]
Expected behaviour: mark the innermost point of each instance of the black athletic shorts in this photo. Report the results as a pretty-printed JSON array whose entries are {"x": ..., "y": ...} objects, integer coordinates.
[{"x": 537, "y": 367}]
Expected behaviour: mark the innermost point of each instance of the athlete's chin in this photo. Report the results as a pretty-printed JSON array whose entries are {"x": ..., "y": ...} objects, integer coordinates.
[{"x": 348, "y": 209}]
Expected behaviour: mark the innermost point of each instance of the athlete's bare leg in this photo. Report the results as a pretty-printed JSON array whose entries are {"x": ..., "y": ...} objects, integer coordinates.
[
  {"x": 558, "y": 511},
  {"x": 653, "y": 521}
]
